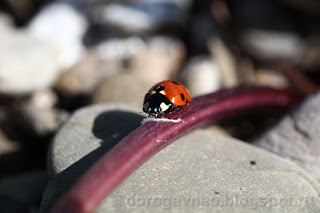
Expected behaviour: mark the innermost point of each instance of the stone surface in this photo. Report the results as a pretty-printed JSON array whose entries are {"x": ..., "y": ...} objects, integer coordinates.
[
  {"x": 127, "y": 89},
  {"x": 296, "y": 136},
  {"x": 208, "y": 173},
  {"x": 63, "y": 26},
  {"x": 87, "y": 142},
  {"x": 27, "y": 63},
  {"x": 201, "y": 76}
]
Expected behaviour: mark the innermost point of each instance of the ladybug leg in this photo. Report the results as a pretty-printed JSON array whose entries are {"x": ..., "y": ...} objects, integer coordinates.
[{"x": 179, "y": 108}]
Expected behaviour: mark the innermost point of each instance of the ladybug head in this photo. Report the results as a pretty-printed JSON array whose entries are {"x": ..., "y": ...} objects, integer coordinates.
[{"x": 156, "y": 104}]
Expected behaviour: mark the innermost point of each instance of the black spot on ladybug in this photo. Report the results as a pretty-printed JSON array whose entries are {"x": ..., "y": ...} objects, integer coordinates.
[
  {"x": 252, "y": 162},
  {"x": 175, "y": 82},
  {"x": 182, "y": 96},
  {"x": 159, "y": 88}
]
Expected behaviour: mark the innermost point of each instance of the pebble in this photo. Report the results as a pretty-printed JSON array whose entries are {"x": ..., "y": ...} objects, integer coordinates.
[
  {"x": 296, "y": 136},
  {"x": 201, "y": 76},
  {"x": 217, "y": 173},
  {"x": 27, "y": 63},
  {"x": 64, "y": 27}
]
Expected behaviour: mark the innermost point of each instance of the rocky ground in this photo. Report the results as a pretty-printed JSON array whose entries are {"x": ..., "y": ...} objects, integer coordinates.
[{"x": 73, "y": 75}]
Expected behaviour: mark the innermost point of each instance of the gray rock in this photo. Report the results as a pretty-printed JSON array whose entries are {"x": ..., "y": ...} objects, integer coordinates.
[
  {"x": 296, "y": 136},
  {"x": 208, "y": 173},
  {"x": 27, "y": 63},
  {"x": 83, "y": 139}
]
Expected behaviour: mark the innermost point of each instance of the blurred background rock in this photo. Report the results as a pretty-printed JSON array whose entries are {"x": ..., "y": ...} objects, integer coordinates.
[{"x": 57, "y": 56}]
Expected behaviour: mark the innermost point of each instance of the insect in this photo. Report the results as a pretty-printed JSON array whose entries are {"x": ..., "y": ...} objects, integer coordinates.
[{"x": 164, "y": 97}]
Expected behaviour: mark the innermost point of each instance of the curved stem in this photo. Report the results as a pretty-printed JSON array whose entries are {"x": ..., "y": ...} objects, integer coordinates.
[{"x": 155, "y": 134}]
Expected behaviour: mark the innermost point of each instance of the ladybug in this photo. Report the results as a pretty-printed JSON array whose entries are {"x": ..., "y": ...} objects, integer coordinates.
[{"x": 164, "y": 97}]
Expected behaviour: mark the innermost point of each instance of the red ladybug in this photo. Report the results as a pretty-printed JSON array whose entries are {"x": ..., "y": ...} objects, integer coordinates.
[{"x": 165, "y": 97}]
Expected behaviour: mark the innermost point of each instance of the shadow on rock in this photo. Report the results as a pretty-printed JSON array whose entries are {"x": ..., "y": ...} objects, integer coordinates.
[{"x": 111, "y": 127}]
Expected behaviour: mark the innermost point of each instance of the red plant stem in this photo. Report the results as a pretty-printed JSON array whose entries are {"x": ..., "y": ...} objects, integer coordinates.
[{"x": 154, "y": 135}]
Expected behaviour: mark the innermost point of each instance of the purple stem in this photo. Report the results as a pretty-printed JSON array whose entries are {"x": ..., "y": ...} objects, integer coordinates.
[{"x": 155, "y": 134}]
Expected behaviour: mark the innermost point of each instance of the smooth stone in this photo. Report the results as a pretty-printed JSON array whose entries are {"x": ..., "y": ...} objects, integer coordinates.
[
  {"x": 296, "y": 136},
  {"x": 84, "y": 139},
  {"x": 201, "y": 76},
  {"x": 27, "y": 63},
  {"x": 208, "y": 173},
  {"x": 63, "y": 26},
  {"x": 127, "y": 89},
  {"x": 216, "y": 173}
]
